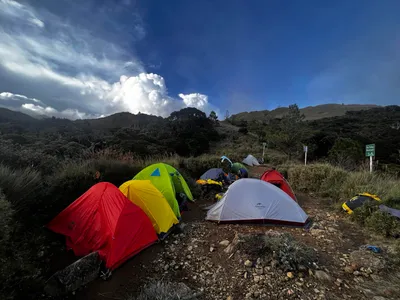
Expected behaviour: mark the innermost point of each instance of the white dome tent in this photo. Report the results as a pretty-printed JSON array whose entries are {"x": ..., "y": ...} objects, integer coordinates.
[
  {"x": 255, "y": 201},
  {"x": 250, "y": 160}
]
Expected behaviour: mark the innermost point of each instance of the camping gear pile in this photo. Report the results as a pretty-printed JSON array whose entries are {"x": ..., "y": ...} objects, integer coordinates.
[{"x": 118, "y": 223}]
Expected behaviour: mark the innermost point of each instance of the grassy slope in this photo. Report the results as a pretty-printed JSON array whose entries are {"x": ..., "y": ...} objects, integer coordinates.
[{"x": 310, "y": 112}]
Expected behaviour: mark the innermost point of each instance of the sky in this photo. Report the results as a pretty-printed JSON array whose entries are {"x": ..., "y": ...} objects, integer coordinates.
[{"x": 86, "y": 59}]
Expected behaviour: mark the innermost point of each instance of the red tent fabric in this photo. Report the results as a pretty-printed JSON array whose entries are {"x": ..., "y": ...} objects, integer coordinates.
[
  {"x": 276, "y": 178},
  {"x": 104, "y": 220}
]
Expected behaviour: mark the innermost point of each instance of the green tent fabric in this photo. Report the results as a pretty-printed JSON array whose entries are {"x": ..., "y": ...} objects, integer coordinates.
[
  {"x": 168, "y": 181},
  {"x": 236, "y": 167}
]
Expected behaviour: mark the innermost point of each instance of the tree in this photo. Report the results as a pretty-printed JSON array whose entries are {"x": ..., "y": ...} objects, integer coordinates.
[
  {"x": 290, "y": 132},
  {"x": 213, "y": 117},
  {"x": 346, "y": 153}
]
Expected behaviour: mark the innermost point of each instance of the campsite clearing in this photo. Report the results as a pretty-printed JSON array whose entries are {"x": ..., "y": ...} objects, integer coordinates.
[{"x": 200, "y": 258}]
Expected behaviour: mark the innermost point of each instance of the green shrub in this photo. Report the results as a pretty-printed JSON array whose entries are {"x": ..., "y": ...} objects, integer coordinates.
[
  {"x": 196, "y": 166},
  {"x": 289, "y": 253},
  {"x": 323, "y": 179},
  {"x": 22, "y": 188},
  {"x": 383, "y": 223},
  {"x": 384, "y": 186}
]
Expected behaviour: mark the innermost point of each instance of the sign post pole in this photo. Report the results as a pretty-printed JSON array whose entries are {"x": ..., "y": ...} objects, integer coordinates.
[
  {"x": 370, "y": 152},
  {"x": 370, "y": 164},
  {"x": 305, "y": 148},
  {"x": 264, "y": 144}
]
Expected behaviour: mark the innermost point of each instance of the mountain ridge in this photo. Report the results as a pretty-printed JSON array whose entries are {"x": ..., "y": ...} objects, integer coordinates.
[
  {"x": 127, "y": 119},
  {"x": 311, "y": 112}
]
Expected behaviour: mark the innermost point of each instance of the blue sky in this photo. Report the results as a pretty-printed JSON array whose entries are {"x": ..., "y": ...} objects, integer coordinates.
[{"x": 79, "y": 59}]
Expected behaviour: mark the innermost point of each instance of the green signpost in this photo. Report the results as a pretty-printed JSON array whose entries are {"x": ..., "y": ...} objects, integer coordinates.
[{"x": 370, "y": 152}]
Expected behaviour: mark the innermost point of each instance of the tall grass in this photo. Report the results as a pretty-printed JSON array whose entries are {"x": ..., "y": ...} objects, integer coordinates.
[{"x": 336, "y": 183}]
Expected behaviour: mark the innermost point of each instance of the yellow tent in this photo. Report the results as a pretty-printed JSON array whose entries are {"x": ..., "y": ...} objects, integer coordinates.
[{"x": 145, "y": 195}]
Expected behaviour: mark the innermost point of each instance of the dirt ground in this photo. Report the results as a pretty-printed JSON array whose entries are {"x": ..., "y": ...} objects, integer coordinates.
[{"x": 198, "y": 259}]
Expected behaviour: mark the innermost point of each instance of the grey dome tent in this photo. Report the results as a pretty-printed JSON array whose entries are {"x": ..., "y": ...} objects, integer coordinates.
[
  {"x": 213, "y": 174},
  {"x": 250, "y": 160},
  {"x": 255, "y": 201}
]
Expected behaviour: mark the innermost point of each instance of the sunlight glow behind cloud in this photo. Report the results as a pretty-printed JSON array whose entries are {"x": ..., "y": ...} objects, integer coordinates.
[{"x": 75, "y": 73}]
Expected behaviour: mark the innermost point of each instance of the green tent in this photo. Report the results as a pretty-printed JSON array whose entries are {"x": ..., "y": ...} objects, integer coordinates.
[
  {"x": 168, "y": 181},
  {"x": 236, "y": 167}
]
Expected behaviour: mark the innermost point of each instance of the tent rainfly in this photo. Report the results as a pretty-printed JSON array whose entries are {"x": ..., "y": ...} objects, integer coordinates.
[
  {"x": 255, "y": 201},
  {"x": 250, "y": 160}
]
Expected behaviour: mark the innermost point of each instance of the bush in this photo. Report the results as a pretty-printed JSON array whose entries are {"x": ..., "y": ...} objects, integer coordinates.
[
  {"x": 383, "y": 223},
  {"x": 243, "y": 130},
  {"x": 377, "y": 221},
  {"x": 290, "y": 254},
  {"x": 323, "y": 179},
  {"x": 162, "y": 290},
  {"x": 22, "y": 188},
  {"x": 385, "y": 186},
  {"x": 338, "y": 184}
]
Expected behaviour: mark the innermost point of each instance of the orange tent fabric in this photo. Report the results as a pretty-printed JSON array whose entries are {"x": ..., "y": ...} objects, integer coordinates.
[
  {"x": 277, "y": 179},
  {"x": 104, "y": 220}
]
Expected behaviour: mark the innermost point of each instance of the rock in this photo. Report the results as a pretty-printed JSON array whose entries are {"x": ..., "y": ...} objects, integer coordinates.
[
  {"x": 367, "y": 259},
  {"x": 356, "y": 273},
  {"x": 224, "y": 243},
  {"x": 256, "y": 279},
  {"x": 379, "y": 298},
  {"x": 212, "y": 249},
  {"x": 74, "y": 276},
  {"x": 316, "y": 232},
  {"x": 229, "y": 298},
  {"x": 323, "y": 276},
  {"x": 190, "y": 248},
  {"x": 349, "y": 269},
  {"x": 290, "y": 275},
  {"x": 248, "y": 263},
  {"x": 274, "y": 263},
  {"x": 259, "y": 271},
  {"x": 40, "y": 254}
]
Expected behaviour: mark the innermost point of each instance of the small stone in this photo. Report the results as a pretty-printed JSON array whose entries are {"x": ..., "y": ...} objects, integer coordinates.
[
  {"x": 190, "y": 248},
  {"x": 356, "y": 273},
  {"x": 224, "y": 243},
  {"x": 259, "y": 271},
  {"x": 256, "y": 278},
  {"x": 248, "y": 263},
  {"x": 166, "y": 267},
  {"x": 348, "y": 269},
  {"x": 229, "y": 298},
  {"x": 212, "y": 249},
  {"x": 321, "y": 275},
  {"x": 290, "y": 275},
  {"x": 249, "y": 295},
  {"x": 290, "y": 292},
  {"x": 274, "y": 263}
]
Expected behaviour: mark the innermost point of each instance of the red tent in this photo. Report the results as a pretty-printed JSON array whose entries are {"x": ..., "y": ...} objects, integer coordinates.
[
  {"x": 104, "y": 220},
  {"x": 276, "y": 178}
]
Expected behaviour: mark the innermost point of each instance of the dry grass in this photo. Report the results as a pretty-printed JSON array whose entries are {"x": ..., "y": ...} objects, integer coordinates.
[{"x": 336, "y": 183}]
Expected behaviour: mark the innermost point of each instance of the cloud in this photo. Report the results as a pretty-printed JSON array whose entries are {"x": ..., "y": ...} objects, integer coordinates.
[
  {"x": 16, "y": 97},
  {"x": 78, "y": 63},
  {"x": 18, "y": 12},
  {"x": 48, "y": 111}
]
